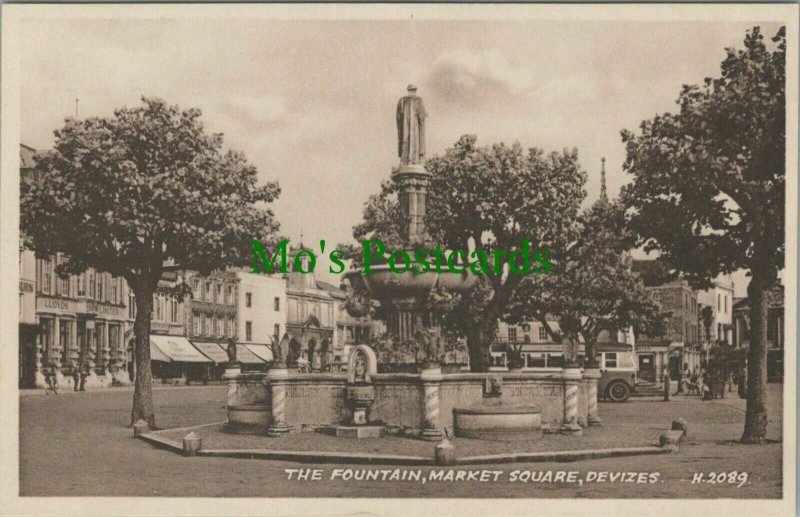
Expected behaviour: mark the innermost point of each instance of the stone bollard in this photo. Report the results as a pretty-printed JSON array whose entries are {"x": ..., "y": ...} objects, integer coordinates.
[
  {"x": 140, "y": 427},
  {"x": 191, "y": 444},
  {"x": 670, "y": 438},
  {"x": 681, "y": 425},
  {"x": 445, "y": 453}
]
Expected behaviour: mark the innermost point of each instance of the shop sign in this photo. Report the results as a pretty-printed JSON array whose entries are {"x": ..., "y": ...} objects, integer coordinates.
[
  {"x": 58, "y": 305},
  {"x": 26, "y": 286},
  {"x": 98, "y": 308}
]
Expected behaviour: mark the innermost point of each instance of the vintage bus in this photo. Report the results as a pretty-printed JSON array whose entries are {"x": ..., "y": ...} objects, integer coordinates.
[{"x": 616, "y": 360}]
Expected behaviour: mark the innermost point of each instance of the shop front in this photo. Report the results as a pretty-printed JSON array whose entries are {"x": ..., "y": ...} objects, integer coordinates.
[{"x": 175, "y": 360}]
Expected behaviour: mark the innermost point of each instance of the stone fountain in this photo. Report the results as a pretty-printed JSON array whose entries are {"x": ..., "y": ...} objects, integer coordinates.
[{"x": 362, "y": 402}]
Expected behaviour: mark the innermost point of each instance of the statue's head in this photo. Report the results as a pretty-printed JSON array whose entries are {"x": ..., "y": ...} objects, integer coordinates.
[{"x": 412, "y": 89}]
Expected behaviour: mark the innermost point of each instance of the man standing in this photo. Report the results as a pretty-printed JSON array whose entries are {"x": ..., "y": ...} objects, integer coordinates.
[{"x": 76, "y": 377}]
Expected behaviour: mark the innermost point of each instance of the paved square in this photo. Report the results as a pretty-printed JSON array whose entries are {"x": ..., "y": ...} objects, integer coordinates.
[{"x": 78, "y": 444}]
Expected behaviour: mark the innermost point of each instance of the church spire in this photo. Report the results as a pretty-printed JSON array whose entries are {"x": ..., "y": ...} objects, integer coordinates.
[{"x": 603, "y": 192}]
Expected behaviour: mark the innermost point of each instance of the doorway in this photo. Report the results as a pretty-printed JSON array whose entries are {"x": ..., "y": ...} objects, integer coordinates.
[{"x": 647, "y": 367}]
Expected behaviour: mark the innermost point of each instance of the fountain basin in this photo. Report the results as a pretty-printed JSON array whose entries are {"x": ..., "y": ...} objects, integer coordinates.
[
  {"x": 382, "y": 283},
  {"x": 498, "y": 422}
]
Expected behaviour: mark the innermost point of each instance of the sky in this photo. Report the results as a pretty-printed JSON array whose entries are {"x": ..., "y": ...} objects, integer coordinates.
[{"x": 312, "y": 103}]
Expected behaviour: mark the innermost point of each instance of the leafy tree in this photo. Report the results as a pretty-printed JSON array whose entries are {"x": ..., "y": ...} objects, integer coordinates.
[
  {"x": 141, "y": 193},
  {"x": 709, "y": 184},
  {"x": 488, "y": 199},
  {"x": 591, "y": 287}
]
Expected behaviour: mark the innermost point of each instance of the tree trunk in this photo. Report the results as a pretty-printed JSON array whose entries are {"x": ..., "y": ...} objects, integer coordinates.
[
  {"x": 478, "y": 345},
  {"x": 591, "y": 354},
  {"x": 755, "y": 420},
  {"x": 143, "y": 388}
]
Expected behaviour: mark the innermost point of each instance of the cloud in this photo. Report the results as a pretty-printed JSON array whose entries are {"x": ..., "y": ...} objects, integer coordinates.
[
  {"x": 463, "y": 75},
  {"x": 254, "y": 112}
]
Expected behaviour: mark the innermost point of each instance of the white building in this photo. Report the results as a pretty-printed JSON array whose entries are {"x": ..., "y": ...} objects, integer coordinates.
[
  {"x": 538, "y": 348},
  {"x": 719, "y": 297},
  {"x": 261, "y": 307}
]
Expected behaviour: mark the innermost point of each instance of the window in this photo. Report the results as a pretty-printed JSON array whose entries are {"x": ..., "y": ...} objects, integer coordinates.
[
  {"x": 248, "y": 330},
  {"x": 536, "y": 361},
  {"x": 499, "y": 359},
  {"x": 277, "y": 331},
  {"x": 229, "y": 296},
  {"x": 512, "y": 333},
  {"x": 114, "y": 289},
  {"x": 248, "y": 299},
  {"x": 611, "y": 360},
  {"x": 543, "y": 334},
  {"x": 44, "y": 270},
  {"x": 82, "y": 284},
  {"x": 556, "y": 361},
  {"x": 217, "y": 327},
  {"x": 196, "y": 289},
  {"x": 197, "y": 328},
  {"x": 719, "y": 302},
  {"x": 207, "y": 293},
  {"x": 218, "y": 294},
  {"x": 726, "y": 305},
  {"x": 131, "y": 306},
  {"x": 277, "y": 303}
]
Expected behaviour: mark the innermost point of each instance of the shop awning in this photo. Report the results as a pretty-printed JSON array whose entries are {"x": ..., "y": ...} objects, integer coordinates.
[
  {"x": 178, "y": 349},
  {"x": 213, "y": 351},
  {"x": 156, "y": 354},
  {"x": 262, "y": 351},
  {"x": 245, "y": 356}
]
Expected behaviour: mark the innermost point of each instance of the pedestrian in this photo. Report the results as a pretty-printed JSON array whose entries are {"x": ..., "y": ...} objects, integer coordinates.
[
  {"x": 84, "y": 374},
  {"x": 666, "y": 384},
  {"x": 50, "y": 380},
  {"x": 76, "y": 377}
]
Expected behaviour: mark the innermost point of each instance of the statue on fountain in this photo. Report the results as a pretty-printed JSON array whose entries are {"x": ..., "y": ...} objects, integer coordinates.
[{"x": 411, "y": 116}]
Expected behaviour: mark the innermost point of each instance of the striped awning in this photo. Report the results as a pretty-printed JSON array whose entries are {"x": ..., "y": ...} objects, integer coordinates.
[
  {"x": 212, "y": 350},
  {"x": 262, "y": 351},
  {"x": 245, "y": 356},
  {"x": 177, "y": 348}
]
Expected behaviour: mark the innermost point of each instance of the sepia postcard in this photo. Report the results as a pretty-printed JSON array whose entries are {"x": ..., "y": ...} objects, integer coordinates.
[{"x": 398, "y": 259}]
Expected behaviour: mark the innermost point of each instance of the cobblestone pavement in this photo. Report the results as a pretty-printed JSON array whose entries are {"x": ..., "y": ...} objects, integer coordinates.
[{"x": 78, "y": 444}]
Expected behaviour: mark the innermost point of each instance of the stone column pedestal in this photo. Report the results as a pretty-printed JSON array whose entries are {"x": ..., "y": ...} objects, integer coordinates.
[
  {"x": 571, "y": 376},
  {"x": 431, "y": 379},
  {"x": 232, "y": 370},
  {"x": 277, "y": 384},
  {"x": 593, "y": 374}
]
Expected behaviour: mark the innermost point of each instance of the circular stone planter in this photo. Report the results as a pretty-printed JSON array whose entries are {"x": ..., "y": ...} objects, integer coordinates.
[{"x": 500, "y": 422}]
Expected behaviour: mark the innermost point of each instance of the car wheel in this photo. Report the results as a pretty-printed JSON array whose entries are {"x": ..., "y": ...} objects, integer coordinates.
[{"x": 618, "y": 391}]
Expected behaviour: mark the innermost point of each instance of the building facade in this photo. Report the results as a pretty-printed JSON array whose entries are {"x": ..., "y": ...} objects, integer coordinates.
[
  {"x": 211, "y": 314},
  {"x": 261, "y": 307},
  {"x": 716, "y": 312},
  {"x": 310, "y": 320},
  {"x": 775, "y": 330}
]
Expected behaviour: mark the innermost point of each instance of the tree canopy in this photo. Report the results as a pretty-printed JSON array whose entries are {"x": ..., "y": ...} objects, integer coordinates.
[
  {"x": 492, "y": 199},
  {"x": 708, "y": 190},
  {"x": 591, "y": 287},
  {"x": 141, "y": 192}
]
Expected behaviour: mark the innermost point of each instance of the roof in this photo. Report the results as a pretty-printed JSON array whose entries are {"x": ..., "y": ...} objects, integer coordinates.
[
  {"x": 26, "y": 160},
  {"x": 774, "y": 299},
  {"x": 332, "y": 289}
]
